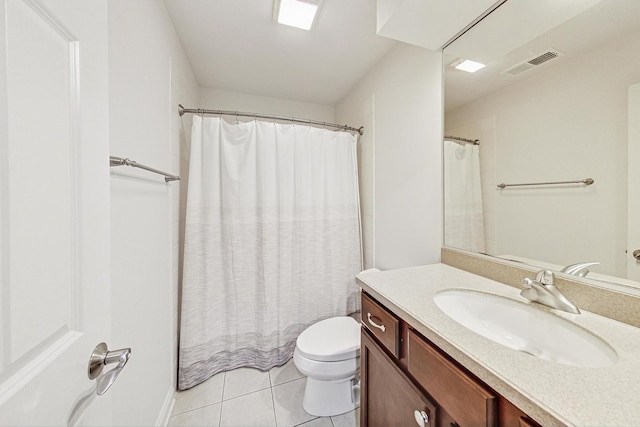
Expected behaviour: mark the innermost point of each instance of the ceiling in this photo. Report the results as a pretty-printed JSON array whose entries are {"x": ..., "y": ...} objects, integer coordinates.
[
  {"x": 236, "y": 45},
  {"x": 429, "y": 23}
]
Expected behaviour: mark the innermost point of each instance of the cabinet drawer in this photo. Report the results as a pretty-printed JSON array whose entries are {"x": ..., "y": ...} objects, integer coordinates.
[
  {"x": 468, "y": 402},
  {"x": 383, "y": 324}
]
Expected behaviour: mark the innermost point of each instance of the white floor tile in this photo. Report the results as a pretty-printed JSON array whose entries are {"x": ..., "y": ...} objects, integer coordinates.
[
  {"x": 287, "y": 399},
  {"x": 243, "y": 397},
  {"x": 244, "y": 381},
  {"x": 204, "y": 394},
  {"x": 254, "y": 409},
  {"x": 350, "y": 419},
  {"x": 318, "y": 422},
  {"x": 207, "y": 416},
  {"x": 285, "y": 373}
]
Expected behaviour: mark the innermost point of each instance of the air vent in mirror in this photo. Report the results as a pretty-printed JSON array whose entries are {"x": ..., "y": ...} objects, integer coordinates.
[{"x": 533, "y": 62}]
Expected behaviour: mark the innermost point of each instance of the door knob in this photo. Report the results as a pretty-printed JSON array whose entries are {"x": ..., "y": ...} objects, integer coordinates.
[
  {"x": 100, "y": 357},
  {"x": 636, "y": 254}
]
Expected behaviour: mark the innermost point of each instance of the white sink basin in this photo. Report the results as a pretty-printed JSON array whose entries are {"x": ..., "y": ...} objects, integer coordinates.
[{"x": 524, "y": 328}]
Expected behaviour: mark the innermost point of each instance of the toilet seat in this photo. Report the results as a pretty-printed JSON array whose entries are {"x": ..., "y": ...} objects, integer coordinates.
[{"x": 330, "y": 340}]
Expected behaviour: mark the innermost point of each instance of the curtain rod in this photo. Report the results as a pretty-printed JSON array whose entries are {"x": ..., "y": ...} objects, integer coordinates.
[
  {"x": 457, "y": 138},
  {"x": 182, "y": 111}
]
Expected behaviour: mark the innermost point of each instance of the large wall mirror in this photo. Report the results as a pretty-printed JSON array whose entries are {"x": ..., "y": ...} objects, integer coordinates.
[{"x": 556, "y": 105}]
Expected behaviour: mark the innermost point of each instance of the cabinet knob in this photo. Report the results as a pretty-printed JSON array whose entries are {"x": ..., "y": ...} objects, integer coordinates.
[{"x": 422, "y": 418}]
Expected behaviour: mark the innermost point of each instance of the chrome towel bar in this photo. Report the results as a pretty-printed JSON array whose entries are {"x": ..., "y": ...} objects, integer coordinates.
[
  {"x": 586, "y": 181},
  {"x": 121, "y": 161}
]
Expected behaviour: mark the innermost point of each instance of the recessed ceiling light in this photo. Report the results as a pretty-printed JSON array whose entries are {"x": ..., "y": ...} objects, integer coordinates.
[
  {"x": 296, "y": 13},
  {"x": 467, "y": 65}
]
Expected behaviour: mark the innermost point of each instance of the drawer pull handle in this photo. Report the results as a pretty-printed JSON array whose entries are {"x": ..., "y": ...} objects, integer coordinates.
[
  {"x": 422, "y": 418},
  {"x": 374, "y": 324}
]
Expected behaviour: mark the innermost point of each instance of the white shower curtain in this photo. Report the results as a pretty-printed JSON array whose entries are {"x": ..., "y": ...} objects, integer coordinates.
[
  {"x": 463, "y": 214},
  {"x": 272, "y": 242}
]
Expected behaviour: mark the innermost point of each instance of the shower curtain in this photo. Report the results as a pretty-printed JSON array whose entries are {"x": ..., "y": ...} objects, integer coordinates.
[
  {"x": 463, "y": 214},
  {"x": 272, "y": 242}
]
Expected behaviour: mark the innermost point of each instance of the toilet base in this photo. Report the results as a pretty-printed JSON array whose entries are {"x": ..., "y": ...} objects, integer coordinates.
[{"x": 328, "y": 398}]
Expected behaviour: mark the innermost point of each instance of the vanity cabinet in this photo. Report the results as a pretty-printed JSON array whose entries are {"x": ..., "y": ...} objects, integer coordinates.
[
  {"x": 406, "y": 378},
  {"x": 389, "y": 398}
]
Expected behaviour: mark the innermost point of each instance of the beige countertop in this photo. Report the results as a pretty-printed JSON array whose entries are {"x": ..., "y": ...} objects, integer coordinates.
[{"x": 551, "y": 393}]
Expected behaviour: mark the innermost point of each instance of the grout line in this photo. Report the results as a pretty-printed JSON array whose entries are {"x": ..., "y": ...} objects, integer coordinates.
[
  {"x": 273, "y": 401},
  {"x": 269, "y": 373},
  {"x": 224, "y": 383},
  {"x": 308, "y": 421},
  {"x": 194, "y": 409},
  {"x": 247, "y": 393},
  {"x": 288, "y": 381}
]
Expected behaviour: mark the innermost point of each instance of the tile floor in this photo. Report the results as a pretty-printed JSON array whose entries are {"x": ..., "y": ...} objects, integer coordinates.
[{"x": 249, "y": 397}]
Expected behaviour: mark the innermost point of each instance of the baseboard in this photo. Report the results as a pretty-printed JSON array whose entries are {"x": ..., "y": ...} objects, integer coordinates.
[{"x": 167, "y": 407}]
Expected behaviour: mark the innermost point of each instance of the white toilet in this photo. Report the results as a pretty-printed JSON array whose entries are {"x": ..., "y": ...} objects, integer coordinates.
[{"x": 328, "y": 353}]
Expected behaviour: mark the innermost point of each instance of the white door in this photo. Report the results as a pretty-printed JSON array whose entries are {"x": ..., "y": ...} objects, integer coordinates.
[
  {"x": 54, "y": 209},
  {"x": 633, "y": 156}
]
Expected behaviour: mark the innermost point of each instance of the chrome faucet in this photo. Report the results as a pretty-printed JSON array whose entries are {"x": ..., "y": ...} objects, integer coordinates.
[
  {"x": 543, "y": 290},
  {"x": 579, "y": 269}
]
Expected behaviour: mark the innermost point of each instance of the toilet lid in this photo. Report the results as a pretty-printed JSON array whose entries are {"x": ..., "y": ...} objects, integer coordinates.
[{"x": 330, "y": 340}]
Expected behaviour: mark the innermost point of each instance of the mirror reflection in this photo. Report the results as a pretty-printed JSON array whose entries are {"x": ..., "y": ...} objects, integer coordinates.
[{"x": 557, "y": 104}]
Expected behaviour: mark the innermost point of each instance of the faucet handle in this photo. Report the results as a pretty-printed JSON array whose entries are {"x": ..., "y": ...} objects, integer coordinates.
[
  {"x": 526, "y": 282},
  {"x": 546, "y": 277}
]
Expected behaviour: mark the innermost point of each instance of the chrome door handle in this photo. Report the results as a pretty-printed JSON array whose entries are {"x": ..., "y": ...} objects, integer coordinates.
[
  {"x": 374, "y": 324},
  {"x": 100, "y": 357},
  {"x": 636, "y": 254}
]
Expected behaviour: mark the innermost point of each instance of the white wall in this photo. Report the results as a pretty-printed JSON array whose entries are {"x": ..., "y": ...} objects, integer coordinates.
[
  {"x": 400, "y": 103},
  {"x": 148, "y": 75},
  {"x": 219, "y": 99},
  {"x": 564, "y": 123}
]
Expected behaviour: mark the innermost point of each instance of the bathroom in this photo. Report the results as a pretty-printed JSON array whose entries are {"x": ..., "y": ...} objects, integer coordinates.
[{"x": 143, "y": 68}]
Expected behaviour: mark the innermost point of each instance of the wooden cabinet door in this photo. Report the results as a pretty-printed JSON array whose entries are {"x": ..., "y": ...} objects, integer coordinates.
[{"x": 388, "y": 397}]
